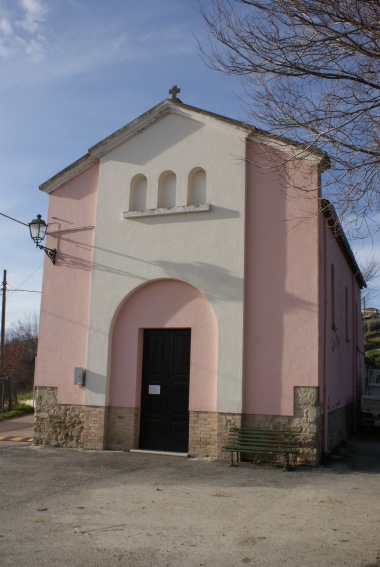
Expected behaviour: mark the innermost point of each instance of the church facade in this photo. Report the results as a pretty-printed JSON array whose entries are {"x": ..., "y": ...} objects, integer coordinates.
[{"x": 200, "y": 283}]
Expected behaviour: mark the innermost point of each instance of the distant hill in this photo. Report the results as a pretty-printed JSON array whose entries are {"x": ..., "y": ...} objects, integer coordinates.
[
  {"x": 372, "y": 332},
  {"x": 372, "y": 337}
]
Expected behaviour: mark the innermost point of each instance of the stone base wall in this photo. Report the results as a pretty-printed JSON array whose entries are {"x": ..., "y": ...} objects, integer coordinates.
[
  {"x": 118, "y": 428},
  {"x": 307, "y": 420},
  {"x": 202, "y": 434},
  {"x": 58, "y": 425},
  {"x": 94, "y": 427},
  {"x": 340, "y": 425},
  {"x": 208, "y": 433},
  {"x": 225, "y": 421},
  {"x": 122, "y": 428}
]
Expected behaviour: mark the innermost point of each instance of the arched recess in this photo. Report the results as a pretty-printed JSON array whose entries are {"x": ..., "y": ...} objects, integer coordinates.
[
  {"x": 164, "y": 304},
  {"x": 166, "y": 197},
  {"x": 196, "y": 189},
  {"x": 138, "y": 193}
]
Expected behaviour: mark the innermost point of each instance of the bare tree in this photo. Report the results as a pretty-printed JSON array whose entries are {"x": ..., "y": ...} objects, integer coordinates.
[
  {"x": 311, "y": 73},
  {"x": 370, "y": 269},
  {"x": 19, "y": 360}
]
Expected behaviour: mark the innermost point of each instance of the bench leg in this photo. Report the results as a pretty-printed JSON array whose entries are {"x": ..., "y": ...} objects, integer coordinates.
[
  {"x": 232, "y": 458},
  {"x": 287, "y": 463}
]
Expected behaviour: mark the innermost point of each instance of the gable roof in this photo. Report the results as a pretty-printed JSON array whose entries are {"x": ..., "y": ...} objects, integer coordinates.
[
  {"x": 165, "y": 108},
  {"x": 336, "y": 228}
]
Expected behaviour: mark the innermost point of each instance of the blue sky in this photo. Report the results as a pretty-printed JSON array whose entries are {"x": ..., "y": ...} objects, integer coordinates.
[{"x": 74, "y": 71}]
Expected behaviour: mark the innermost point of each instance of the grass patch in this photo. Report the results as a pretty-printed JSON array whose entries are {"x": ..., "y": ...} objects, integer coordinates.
[
  {"x": 372, "y": 342},
  {"x": 374, "y": 355},
  {"x": 372, "y": 324},
  {"x": 22, "y": 409},
  {"x": 372, "y": 333},
  {"x": 25, "y": 396}
]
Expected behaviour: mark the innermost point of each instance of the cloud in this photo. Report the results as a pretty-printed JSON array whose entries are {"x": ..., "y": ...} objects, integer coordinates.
[
  {"x": 5, "y": 27},
  {"x": 34, "y": 15},
  {"x": 22, "y": 31},
  {"x": 35, "y": 48},
  {"x": 64, "y": 41}
]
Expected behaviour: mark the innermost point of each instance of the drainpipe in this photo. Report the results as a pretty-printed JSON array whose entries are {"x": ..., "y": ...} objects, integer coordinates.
[{"x": 325, "y": 344}]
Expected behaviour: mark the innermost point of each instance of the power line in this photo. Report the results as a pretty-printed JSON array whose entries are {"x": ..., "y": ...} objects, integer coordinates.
[
  {"x": 11, "y": 218},
  {"x": 22, "y": 283},
  {"x": 28, "y": 290}
]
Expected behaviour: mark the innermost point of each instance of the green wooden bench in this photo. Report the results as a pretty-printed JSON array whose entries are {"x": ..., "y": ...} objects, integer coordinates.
[{"x": 262, "y": 441}]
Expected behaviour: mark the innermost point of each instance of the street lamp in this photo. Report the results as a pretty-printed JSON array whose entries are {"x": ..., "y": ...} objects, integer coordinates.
[{"x": 38, "y": 229}]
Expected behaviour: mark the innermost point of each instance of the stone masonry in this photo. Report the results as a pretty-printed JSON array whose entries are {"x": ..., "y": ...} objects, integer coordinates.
[
  {"x": 307, "y": 420},
  {"x": 60, "y": 425},
  {"x": 118, "y": 428},
  {"x": 208, "y": 433},
  {"x": 202, "y": 434},
  {"x": 122, "y": 428}
]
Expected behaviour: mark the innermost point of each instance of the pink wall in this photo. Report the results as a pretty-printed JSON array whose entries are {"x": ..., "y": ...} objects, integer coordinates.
[
  {"x": 282, "y": 281},
  {"x": 164, "y": 304},
  {"x": 344, "y": 362},
  {"x": 66, "y": 286}
]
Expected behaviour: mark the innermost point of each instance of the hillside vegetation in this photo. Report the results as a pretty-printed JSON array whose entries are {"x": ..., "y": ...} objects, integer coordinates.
[{"x": 372, "y": 338}]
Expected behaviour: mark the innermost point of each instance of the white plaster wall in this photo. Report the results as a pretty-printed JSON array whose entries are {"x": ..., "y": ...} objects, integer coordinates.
[{"x": 204, "y": 249}]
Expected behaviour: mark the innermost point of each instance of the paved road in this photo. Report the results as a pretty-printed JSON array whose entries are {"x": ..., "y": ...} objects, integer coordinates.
[{"x": 17, "y": 427}]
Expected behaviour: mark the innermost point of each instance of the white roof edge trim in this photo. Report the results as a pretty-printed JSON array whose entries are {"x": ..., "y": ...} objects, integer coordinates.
[
  {"x": 130, "y": 130},
  {"x": 296, "y": 151},
  {"x": 165, "y": 108},
  {"x": 145, "y": 120},
  {"x": 68, "y": 173},
  {"x": 208, "y": 118}
]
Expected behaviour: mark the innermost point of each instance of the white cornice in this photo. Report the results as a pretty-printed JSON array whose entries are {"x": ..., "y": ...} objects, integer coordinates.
[{"x": 163, "y": 211}]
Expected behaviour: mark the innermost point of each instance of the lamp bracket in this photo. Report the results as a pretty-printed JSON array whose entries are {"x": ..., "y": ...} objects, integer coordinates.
[{"x": 50, "y": 252}]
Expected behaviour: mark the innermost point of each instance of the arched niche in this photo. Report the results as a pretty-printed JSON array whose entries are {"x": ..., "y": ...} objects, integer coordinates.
[
  {"x": 164, "y": 304},
  {"x": 196, "y": 189},
  {"x": 167, "y": 183},
  {"x": 138, "y": 193}
]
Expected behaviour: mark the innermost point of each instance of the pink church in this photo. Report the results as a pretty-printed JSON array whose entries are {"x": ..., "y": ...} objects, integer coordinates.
[{"x": 200, "y": 282}]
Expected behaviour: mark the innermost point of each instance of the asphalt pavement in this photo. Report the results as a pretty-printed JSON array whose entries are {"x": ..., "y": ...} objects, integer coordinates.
[{"x": 17, "y": 429}]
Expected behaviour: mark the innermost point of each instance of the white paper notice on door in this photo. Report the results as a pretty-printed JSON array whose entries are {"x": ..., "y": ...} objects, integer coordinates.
[{"x": 154, "y": 389}]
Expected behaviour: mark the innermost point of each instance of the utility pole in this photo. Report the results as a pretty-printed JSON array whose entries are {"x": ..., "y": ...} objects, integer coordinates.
[{"x": 2, "y": 340}]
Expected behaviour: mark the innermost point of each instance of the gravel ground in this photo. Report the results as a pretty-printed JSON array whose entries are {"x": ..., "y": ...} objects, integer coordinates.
[{"x": 87, "y": 509}]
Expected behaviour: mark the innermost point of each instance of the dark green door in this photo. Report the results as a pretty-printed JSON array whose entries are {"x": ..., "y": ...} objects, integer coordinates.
[{"x": 164, "y": 424}]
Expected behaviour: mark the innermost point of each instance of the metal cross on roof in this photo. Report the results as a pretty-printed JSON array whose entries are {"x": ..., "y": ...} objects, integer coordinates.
[{"x": 174, "y": 91}]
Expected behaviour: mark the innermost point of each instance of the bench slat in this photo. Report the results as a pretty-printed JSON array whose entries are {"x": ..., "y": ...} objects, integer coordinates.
[
  {"x": 241, "y": 443},
  {"x": 262, "y": 441}
]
